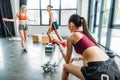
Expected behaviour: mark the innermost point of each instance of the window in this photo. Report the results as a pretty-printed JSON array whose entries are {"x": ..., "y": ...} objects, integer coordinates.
[
  {"x": 105, "y": 20},
  {"x": 33, "y": 4},
  {"x": 55, "y": 3},
  {"x": 97, "y": 17},
  {"x": 107, "y": 23},
  {"x": 115, "y": 44},
  {"x": 33, "y": 12},
  {"x": 60, "y": 9},
  {"x": 98, "y": 12},
  {"x": 45, "y": 17},
  {"x": 115, "y": 35},
  {"x": 34, "y": 15},
  {"x": 68, "y": 4},
  {"x": 117, "y": 12},
  {"x": 65, "y": 16},
  {"x": 92, "y": 14},
  {"x": 44, "y": 3}
]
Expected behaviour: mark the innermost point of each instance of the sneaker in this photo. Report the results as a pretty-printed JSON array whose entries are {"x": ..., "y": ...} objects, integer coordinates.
[{"x": 24, "y": 50}]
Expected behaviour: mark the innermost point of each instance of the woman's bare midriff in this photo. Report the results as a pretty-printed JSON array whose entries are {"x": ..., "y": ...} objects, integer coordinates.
[
  {"x": 22, "y": 22},
  {"x": 94, "y": 54}
]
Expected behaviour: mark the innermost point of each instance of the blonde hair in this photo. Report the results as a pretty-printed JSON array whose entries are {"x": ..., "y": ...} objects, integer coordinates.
[{"x": 23, "y": 6}]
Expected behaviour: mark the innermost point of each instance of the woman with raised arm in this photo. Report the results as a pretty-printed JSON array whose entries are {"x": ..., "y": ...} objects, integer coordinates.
[
  {"x": 23, "y": 28},
  {"x": 97, "y": 64}
]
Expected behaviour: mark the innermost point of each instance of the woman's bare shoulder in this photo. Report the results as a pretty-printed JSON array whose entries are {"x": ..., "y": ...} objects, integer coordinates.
[{"x": 75, "y": 37}]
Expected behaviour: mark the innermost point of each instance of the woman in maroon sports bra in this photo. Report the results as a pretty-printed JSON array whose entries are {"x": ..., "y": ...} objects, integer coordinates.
[{"x": 97, "y": 64}]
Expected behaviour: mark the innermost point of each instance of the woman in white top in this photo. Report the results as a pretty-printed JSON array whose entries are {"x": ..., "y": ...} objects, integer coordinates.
[{"x": 53, "y": 26}]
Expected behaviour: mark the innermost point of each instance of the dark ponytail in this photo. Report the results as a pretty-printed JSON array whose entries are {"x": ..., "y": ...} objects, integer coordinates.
[
  {"x": 86, "y": 30},
  {"x": 80, "y": 21}
]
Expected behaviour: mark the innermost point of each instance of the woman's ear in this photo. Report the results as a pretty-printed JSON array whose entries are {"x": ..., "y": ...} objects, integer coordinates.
[{"x": 71, "y": 24}]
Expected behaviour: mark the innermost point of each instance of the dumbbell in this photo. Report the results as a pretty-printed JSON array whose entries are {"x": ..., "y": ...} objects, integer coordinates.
[{"x": 63, "y": 43}]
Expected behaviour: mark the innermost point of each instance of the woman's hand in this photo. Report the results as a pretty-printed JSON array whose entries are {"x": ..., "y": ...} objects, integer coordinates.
[{"x": 4, "y": 19}]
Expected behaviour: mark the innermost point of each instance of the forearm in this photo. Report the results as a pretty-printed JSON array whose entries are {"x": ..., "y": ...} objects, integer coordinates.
[
  {"x": 64, "y": 56},
  {"x": 31, "y": 20},
  {"x": 10, "y": 20},
  {"x": 66, "y": 59}
]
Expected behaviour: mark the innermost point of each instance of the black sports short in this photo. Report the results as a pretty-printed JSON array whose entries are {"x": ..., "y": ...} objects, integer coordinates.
[
  {"x": 55, "y": 25},
  {"x": 23, "y": 27},
  {"x": 103, "y": 70}
]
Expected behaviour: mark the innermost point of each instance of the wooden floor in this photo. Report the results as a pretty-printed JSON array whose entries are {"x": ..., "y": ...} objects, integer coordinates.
[{"x": 16, "y": 65}]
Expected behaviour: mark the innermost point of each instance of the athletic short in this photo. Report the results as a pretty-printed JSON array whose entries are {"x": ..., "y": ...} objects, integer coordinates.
[
  {"x": 23, "y": 27},
  {"x": 103, "y": 70},
  {"x": 55, "y": 25}
]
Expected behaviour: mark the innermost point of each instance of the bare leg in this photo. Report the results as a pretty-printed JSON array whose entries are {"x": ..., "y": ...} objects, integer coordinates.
[
  {"x": 25, "y": 35},
  {"x": 22, "y": 38},
  {"x": 58, "y": 35},
  {"x": 48, "y": 33},
  {"x": 70, "y": 68}
]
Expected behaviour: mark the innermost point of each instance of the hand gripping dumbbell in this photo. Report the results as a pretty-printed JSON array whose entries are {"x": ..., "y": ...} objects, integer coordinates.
[{"x": 63, "y": 43}]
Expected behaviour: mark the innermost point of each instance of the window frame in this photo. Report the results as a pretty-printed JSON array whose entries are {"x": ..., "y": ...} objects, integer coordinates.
[{"x": 59, "y": 11}]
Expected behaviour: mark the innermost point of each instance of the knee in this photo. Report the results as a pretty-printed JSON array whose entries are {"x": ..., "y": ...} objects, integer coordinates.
[
  {"x": 65, "y": 67},
  {"x": 26, "y": 36},
  {"x": 22, "y": 37},
  {"x": 48, "y": 33}
]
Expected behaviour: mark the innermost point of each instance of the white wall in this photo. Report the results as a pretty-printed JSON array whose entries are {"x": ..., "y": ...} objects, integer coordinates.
[{"x": 82, "y": 10}]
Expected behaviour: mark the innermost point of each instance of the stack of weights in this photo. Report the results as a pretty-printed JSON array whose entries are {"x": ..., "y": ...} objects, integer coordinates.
[{"x": 50, "y": 48}]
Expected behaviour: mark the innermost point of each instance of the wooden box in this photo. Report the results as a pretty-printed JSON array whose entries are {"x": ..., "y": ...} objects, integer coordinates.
[
  {"x": 36, "y": 38},
  {"x": 45, "y": 38}
]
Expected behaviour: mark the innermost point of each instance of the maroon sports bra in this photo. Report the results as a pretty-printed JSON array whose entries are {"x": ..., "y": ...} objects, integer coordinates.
[{"x": 83, "y": 43}]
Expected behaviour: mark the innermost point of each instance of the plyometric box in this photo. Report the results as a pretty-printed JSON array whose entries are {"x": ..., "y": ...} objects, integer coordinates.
[
  {"x": 37, "y": 38},
  {"x": 42, "y": 38},
  {"x": 45, "y": 38}
]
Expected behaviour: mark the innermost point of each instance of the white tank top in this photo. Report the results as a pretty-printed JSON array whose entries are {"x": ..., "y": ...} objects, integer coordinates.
[{"x": 53, "y": 17}]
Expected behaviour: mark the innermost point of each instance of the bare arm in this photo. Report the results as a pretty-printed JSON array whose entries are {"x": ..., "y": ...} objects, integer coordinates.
[
  {"x": 12, "y": 20},
  {"x": 51, "y": 18},
  {"x": 30, "y": 19},
  {"x": 67, "y": 56},
  {"x": 76, "y": 59}
]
